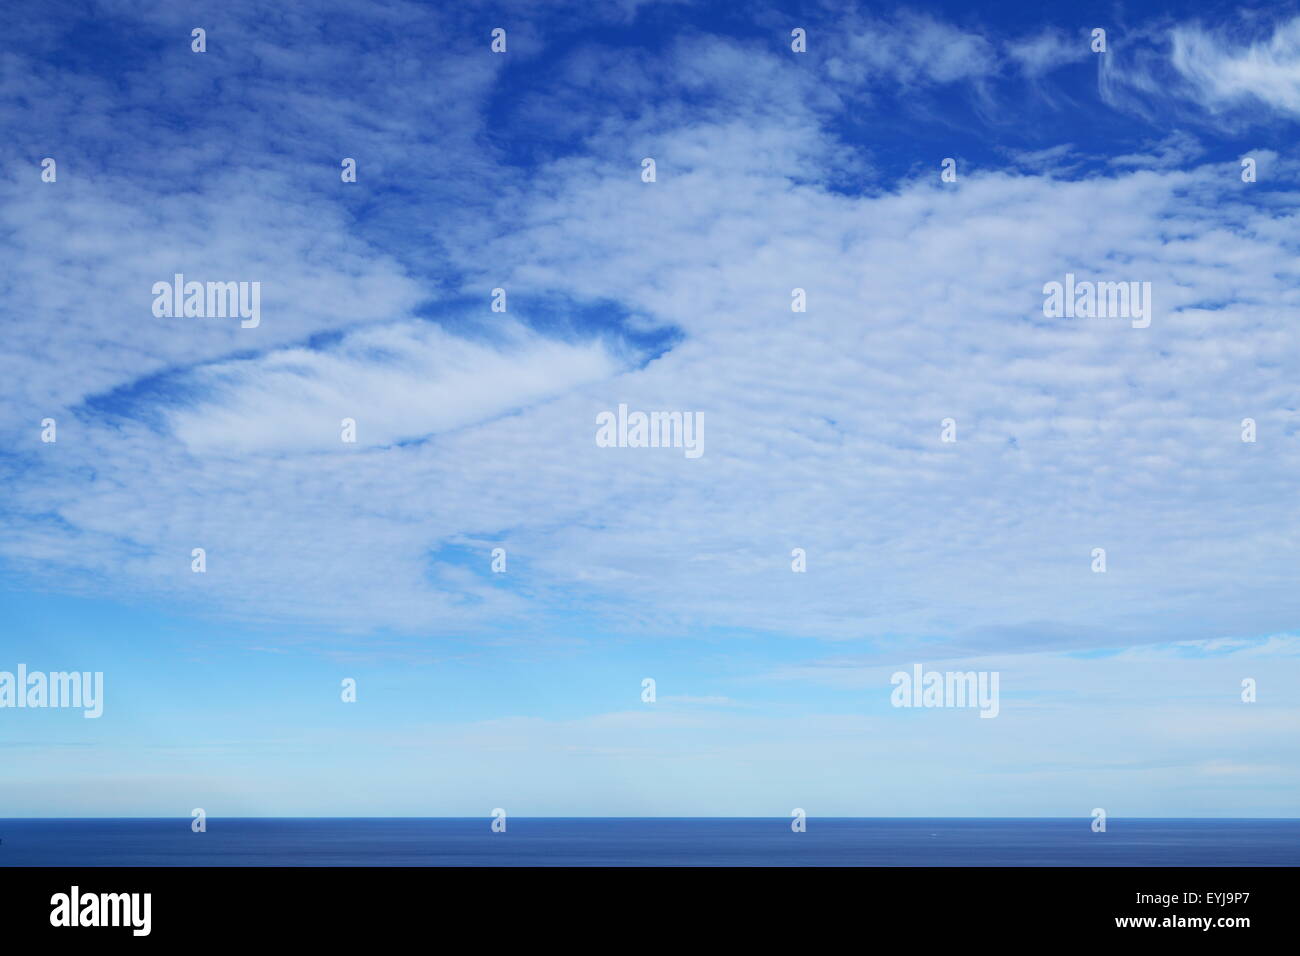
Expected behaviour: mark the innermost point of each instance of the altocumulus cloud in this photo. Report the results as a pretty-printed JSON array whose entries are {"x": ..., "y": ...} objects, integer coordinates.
[
  {"x": 475, "y": 429},
  {"x": 924, "y": 303}
]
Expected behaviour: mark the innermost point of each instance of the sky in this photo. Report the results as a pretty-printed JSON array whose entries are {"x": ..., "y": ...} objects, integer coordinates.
[{"x": 775, "y": 170}]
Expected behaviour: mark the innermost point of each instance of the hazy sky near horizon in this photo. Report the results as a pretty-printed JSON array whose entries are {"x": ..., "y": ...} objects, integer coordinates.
[{"x": 475, "y": 429}]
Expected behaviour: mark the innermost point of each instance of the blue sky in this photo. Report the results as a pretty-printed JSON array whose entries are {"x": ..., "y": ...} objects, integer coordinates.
[{"x": 775, "y": 170}]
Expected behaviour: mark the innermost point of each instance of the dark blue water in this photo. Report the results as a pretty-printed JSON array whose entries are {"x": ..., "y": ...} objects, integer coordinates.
[{"x": 649, "y": 842}]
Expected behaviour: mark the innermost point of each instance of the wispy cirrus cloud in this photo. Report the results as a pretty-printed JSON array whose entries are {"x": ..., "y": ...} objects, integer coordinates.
[
  {"x": 1048, "y": 50},
  {"x": 1224, "y": 72},
  {"x": 1238, "y": 72}
]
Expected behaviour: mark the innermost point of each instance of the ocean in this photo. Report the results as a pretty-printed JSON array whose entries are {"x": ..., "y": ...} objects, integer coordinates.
[{"x": 655, "y": 841}]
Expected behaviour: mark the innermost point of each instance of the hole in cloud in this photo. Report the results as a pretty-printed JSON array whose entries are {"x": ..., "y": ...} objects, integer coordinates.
[{"x": 397, "y": 382}]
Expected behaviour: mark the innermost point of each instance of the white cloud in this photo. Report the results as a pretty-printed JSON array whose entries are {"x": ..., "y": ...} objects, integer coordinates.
[
  {"x": 822, "y": 427},
  {"x": 1225, "y": 73},
  {"x": 1047, "y": 51},
  {"x": 1178, "y": 149},
  {"x": 924, "y": 302},
  {"x": 912, "y": 50},
  {"x": 1226, "y": 78},
  {"x": 397, "y": 382}
]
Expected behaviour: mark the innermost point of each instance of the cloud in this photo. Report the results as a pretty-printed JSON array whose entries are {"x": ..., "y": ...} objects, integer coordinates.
[
  {"x": 1047, "y": 51},
  {"x": 476, "y": 429},
  {"x": 1241, "y": 73},
  {"x": 1223, "y": 73},
  {"x": 911, "y": 50},
  {"x": 397, "y": 382},
  {"x": 1177, "y": 149},
  {"x": 823, "y": 427}
]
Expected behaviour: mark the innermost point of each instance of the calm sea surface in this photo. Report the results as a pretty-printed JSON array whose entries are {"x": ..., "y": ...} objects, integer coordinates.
[{"x": 648, "y": 842}]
